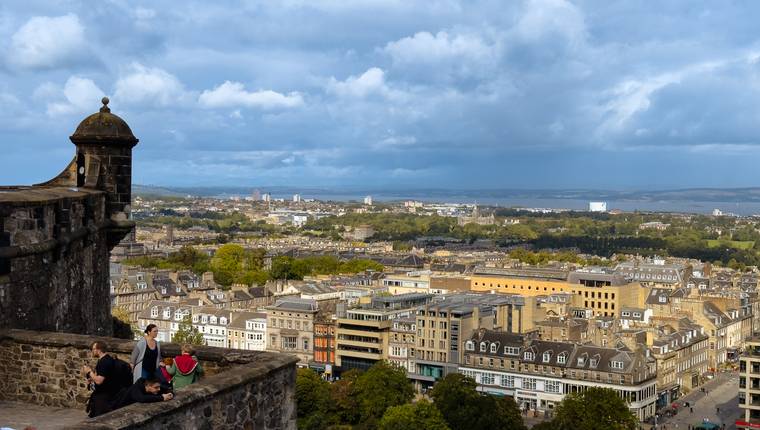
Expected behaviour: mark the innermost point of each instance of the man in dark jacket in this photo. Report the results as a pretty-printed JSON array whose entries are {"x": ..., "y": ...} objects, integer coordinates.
[
  {"x": 143, "y": 391},
  {"x": 103, "y": 380}
]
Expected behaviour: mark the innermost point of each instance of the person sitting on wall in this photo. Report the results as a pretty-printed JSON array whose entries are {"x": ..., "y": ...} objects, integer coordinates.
[
  {"x": 142, "y": 391},
  {"x": 146, "y": 355},
  {"x": 102, "y": 379},
  {"x": 186, "y": 368}
]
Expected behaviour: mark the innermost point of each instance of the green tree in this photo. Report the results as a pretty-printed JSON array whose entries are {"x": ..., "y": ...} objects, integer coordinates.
[
  {"x": 413, "y": 416},
  {"x": 383, "y": 385},
  {"x": 342, "y": 395},
  {"x": 594, "y": 409},
  {"x": 187, "y": 333},
  {"x": 312, "y": 400},
  {"x": 464, "y": 408}
]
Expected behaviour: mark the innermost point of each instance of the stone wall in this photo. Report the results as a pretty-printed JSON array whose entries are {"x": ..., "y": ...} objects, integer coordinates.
[
  {"x": 242, "y": 389},
  {"x": 54, "y": 260}
]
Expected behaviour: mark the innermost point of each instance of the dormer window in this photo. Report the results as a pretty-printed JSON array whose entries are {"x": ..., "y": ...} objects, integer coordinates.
[
  {"x": 581, "y": 361},
  {"x": 204, "y": 319},
  {"x": 547, "y": 357},
  {"x": 616, "y": 364},
  {"x": 212, "y": 320},
  {"x": 470, "y": 345},
  {"x": 562, "y": 358},
  {"x": 663, "y": 299},
  {"x": 593, "y": 362},
  {"x": 626, "y": 314},
  {"x": 154, "y": 311},
  {"x": 637, "y": 314},
  {"x": 493, "y": 348},
  {"x": 511, "y": 350},
  {"x": 482, "y": 347},
  {"x": 528, "y": 355},
  {"x": 223, "y": 321}
]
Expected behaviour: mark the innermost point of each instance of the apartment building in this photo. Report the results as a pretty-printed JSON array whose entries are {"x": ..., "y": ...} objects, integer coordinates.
[
  {"x": 401, "y": 343},
  {"x": 290, "y": 328},
  {"x": 538, "y": 374},
  {"x": 603, "y": 292},
  {"x": 213, "y": 324},
  {"x": 407, "y": 282},
  {"x": 247, "y": 330},
  {"x": 749, "y": 385},
  {"x": 166, "y": 315},
  {"x": 362, "y": 334},
  {"x": 445, "y": 322},
  {"x": 682, "y": 360}
]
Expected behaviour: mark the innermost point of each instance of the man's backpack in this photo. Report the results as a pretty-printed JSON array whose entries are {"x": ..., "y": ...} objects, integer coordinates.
[{"x": 123, "y": 373}]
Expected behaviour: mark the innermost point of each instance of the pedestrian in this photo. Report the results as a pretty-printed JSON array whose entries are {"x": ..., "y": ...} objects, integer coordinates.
[
  {"x": 146, "y": 355},
  {"x": 186, "y": 368},
  {"x": 142, "y": 391},
  {"x": 103, "y": 380},
  {"x": 691, "y": 410}
]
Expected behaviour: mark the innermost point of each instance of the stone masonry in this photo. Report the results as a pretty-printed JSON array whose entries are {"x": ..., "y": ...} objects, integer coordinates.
[
  {"x": 242, "y": 389},
  {"x": 56, "y": 237}
]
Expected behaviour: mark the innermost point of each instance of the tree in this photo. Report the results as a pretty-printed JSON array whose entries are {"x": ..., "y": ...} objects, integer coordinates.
[
  {"x": 594, "y": 409},
  {"x": 126, "y": 329},
  {"x": 413, "y": 416},
  {"x": 187, "y": 333},
  {"x": 343, "y": 399},
  {"x": 464, "y": 408},
  {"x": 312, "y": 400},
  {"x": 380, "y": 387}
]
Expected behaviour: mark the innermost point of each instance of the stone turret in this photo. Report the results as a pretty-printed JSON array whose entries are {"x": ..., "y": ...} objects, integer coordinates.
[{"x": 56, "y": 237}]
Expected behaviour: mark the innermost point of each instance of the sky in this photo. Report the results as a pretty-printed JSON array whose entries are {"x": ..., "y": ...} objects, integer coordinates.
[{"x": 437, "y": 93}]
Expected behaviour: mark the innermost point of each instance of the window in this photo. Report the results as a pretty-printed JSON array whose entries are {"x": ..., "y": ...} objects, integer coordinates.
[
  {"x": 470, "y": 345},
  {"x": 493, "y": 348},
  {"x": 306, "y": 344},
  {"x": 581, "y": 361},
  {"x": 511, "y": 350},
  {"x": 616, "y": 364},
  {"x": 289, "y": 342},
  {"x": 529, "y": 384},
  {"x": 562, "y": 358},
  {"x": 508, "y": 381},
  {"x": 528, "y": 356},
  {"x": 487, "y": 379},
  {"x": 626, "y": 314},
  {"x": 547, "y": 356},
  {"x": 594, "y": 362},
  {"x": 552, "y": 386},
  {"x": 482, "y": 347}
]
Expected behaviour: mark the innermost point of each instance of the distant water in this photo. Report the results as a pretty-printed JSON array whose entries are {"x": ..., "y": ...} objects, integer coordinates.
[{"x": 681, "y": 206}]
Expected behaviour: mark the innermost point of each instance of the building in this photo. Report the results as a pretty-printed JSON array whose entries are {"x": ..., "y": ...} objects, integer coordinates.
[
  {"x": 362, "y": 334},
  {"x": 443, "y": 324},
  {"x": 538, "y": 374},
  {"x": 597, "y": 206},
  {"x": 290, "y": 328},
  {"x": 402, "y": 344},
  {"x": 165, "y": 315},
  {"x": 368, "y": 200},
  {"x": 749, "y": 385},
  {"x": 213, "y": 323},
  {"x": 476, "y": 218},
  {"x": 324, "y": 344},
  {"x": 407, "y": 282},
  {"x": 682, "y": 360},
  {"x": 247, "y": 330},
  {"x": 602, "y": 292}
]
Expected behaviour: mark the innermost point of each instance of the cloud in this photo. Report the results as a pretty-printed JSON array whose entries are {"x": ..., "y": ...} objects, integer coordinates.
[
  {"x": 233, "y": 94},
  {"x": 370, "y": 82},
  {"x": 428, "y": 48},
  {"x": 46, "y": 42},
  {"x": 80, "y": 95},
  {"x": 146, "y": 85},
  {"x": 544, "y": 18}
]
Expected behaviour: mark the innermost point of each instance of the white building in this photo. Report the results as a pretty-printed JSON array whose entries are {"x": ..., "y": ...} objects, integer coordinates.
[
  {"x": 296, "y": 198},
  {"x": 597, "y": 206},
  {"x": 213, "y": 324},
  {"x": 368, "y": 200}
]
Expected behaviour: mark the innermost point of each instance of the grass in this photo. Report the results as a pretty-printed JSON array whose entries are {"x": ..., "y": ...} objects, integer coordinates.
[{"x": 736, "y": 244}]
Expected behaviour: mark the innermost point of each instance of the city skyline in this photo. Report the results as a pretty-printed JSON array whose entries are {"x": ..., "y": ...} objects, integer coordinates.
[{"x": 536, "y": 94}]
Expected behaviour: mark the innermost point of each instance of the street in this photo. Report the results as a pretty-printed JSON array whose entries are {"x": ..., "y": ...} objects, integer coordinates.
[{"x": 722, "y": 393}]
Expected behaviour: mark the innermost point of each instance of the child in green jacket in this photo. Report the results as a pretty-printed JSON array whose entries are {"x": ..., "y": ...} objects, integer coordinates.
[{"x": 186, "y": 368}]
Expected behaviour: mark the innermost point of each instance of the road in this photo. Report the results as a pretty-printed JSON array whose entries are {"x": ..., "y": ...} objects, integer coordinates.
[{"x": 722, "y": 393}]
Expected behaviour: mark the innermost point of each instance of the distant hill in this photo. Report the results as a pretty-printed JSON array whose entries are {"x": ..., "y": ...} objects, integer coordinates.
[{"x": 690, "y": 195}]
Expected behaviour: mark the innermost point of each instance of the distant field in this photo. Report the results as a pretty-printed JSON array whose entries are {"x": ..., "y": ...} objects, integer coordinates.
[{"x": 736, "y": 244}]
